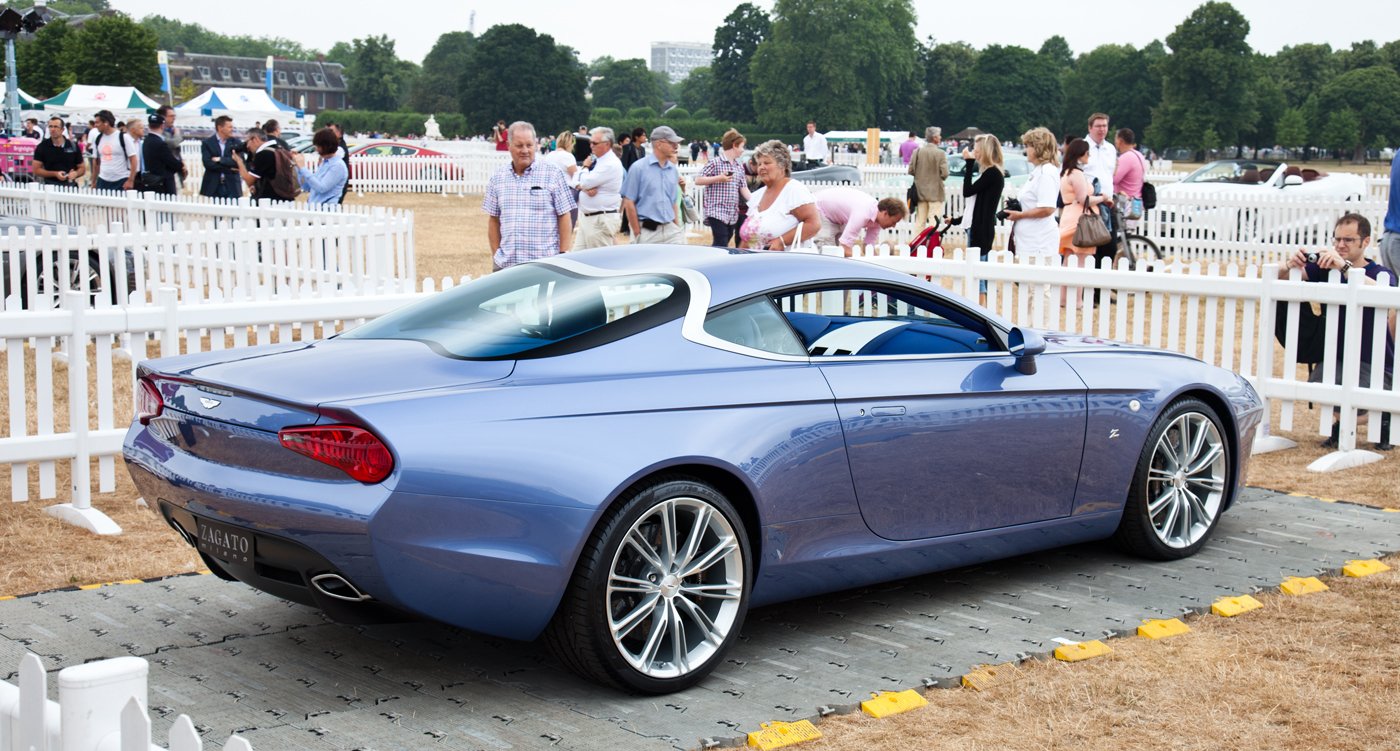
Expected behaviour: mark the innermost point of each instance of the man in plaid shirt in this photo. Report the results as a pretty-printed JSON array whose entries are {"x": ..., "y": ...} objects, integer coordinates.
[
  {"x": 724, "y": 181},
  {"x": 529, "y": 205}
]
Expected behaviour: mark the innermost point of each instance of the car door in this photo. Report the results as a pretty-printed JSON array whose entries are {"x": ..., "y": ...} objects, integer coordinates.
[{"x": 943, "y": 433}]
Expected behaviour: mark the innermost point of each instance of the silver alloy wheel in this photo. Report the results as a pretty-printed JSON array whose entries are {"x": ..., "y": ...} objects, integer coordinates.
[
  {"x": 1186, "y": 480},
  {"x": 674, "y": 587}
]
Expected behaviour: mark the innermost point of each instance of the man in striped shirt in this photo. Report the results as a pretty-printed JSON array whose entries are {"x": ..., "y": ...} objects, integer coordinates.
[{"x": 528, "y": 205}]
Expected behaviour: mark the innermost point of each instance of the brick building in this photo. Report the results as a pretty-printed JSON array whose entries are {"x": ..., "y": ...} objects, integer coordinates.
[{"x": 323, "y": 84}]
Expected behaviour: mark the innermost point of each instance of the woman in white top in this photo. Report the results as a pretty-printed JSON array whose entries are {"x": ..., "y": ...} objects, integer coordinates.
[
  {"x": 782, "y": 214},
  {"x": 563, "y": 157},
  {"x": 1035, "y": 233}
]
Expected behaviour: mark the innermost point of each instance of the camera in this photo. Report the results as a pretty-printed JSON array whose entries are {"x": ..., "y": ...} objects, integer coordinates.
[
  {"x": 1011, "y": 205},
  {"x": 1312, "y": 257}
]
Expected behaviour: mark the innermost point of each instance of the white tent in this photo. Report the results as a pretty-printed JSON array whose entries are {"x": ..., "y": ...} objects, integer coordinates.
[
  {"x": 79, "y": 101},
  {"x": 247, "y": 107}
]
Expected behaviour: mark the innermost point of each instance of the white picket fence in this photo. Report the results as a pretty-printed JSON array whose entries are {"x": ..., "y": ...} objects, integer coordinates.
[
  {"x": 101, "y": 707},
  {"x": 126, "y": 245}
]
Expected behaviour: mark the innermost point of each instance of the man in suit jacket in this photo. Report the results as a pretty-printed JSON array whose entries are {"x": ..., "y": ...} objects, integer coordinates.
[
  {"x": 221, "y": 178},
  {"x": 161, "y": 163}
]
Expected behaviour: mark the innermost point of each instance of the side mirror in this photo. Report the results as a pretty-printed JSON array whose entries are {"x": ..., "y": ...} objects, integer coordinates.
[
  {"x": 1024, "y": 345},
  {"x": 1291, "y": 180}
]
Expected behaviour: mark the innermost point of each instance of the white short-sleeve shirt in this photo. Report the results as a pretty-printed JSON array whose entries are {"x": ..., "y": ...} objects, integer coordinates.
[
  {"x": 1039, "y": 236},
  {"x": 762, "y": 226}
]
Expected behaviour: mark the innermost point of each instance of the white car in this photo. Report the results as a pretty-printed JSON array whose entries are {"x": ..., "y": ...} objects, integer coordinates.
[{"x": 1230, "y": 200}]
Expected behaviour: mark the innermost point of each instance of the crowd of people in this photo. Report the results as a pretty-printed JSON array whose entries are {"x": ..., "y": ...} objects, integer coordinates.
[{"x": 143, "y": 155}]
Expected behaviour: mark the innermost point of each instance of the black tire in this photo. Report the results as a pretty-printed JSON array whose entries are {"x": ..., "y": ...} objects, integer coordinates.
[
  {"x": 582, "y": 631},
  {"x": 1172, "y": 510}
]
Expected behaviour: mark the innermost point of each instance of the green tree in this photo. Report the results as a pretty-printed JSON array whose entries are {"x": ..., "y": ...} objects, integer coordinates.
[
  {"x": 625, "y": 84},
  {"x": 341, "y": 52},
  {"x": 549, "y": 92},
  {"x": 1361, "y": 55},
  {"x": 1391, "y": 52},
  {"x": 1302, "y": 70},
  {"x": 40, "y": 61},
  {"x": 694, "y": 91},
  {"x": 1010, "y": 90},
  {"x": 376, "y": 80},
  {"x": 1116, "y": 79},
  {"x": 1372, "y": 96},
  {"x": 945, "y": 67},
  {"x": 113, "y": 51},
  {"x": 1207, "y": 80},
  {"x": 70, "y": 7},
  {"x": 191, "y": 37},
  {"x": 1342, "y": 132},
  {"x": 1292, "y": 129},
  {"x": 736, "y": 40},
  {"x": 1056, "y": 50},
  {"x": 442, "y": 70},
  {"x": 870, "y": 84}
]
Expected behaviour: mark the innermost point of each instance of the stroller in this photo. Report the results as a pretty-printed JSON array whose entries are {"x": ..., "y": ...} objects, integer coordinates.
[{"x": 931, "y": 237}]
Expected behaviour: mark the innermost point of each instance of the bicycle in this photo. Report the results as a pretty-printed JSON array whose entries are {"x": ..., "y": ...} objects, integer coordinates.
[{"x": 1131, "y": 245}]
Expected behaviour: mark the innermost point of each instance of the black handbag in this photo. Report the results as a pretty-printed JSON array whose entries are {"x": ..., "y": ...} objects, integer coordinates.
[{"x": 149, "y": 181}]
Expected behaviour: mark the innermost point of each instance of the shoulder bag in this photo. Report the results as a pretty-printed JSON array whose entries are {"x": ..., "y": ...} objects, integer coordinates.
[{"x": 1091, "y": 231}]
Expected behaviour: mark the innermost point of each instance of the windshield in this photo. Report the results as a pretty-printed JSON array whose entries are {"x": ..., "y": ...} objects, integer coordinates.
[
  {"x": 533, "y": 310},
  {"x": 1234, "y": 171}
]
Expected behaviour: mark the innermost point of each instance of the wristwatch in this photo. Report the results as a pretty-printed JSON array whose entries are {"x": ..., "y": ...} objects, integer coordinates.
[{"x": 1346, "y": 266}]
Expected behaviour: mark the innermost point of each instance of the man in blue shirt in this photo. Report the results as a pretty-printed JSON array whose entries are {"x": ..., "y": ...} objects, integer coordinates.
[
  {"x": 651, "y": 189},
  {"x": 1390, "y": 239}
]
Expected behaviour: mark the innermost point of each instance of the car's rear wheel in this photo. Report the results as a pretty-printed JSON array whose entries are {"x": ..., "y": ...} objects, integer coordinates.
[
  {"x": 660, "y": 591},
  {"x": 1180, "y": 486}
]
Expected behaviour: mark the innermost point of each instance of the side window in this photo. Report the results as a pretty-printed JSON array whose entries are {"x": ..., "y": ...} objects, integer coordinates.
[
  {"x": 756, "y": 324},
  {"x": 870, "y": 321},
  {"x": 377, "y": 151},
  {"x": 404, "y": 151}
]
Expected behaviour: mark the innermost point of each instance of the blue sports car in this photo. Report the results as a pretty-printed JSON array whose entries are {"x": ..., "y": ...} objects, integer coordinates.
[{"x": 623, "y": 450}]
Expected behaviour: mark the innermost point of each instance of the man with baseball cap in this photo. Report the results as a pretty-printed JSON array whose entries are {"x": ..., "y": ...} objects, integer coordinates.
[{"x": 651, "y": 190}]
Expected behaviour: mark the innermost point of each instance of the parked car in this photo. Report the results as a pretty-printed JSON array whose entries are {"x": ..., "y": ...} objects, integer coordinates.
[
  {"x": 839, "y": 174},
  {"x": 432, "y": 171},
  {"x": 625, "y": 449},
  {"x": 1192, "y": 205},
  {"x": 69, "y": 275},
  {"x": 1018, "y": 170}
]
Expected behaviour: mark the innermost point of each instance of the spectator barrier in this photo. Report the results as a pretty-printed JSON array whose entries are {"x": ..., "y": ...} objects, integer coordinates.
[
  {"x": 117, "y": 247},
  {"x": 101, "y": 707}
]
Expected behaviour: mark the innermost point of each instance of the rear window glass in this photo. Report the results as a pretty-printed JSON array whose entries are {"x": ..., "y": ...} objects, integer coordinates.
[{"x": 533, "y": 310}]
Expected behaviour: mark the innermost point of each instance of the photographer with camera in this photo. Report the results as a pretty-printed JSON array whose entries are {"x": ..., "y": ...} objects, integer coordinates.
[{"x": 1351, "y": 236}]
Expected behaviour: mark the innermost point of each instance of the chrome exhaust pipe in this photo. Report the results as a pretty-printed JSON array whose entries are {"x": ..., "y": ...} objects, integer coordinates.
[
  {"x": 338, "y": 587},
  {"x": 189, "y": 538}
]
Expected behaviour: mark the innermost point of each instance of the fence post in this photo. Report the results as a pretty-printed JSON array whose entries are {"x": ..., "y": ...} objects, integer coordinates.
[
  {"x": 38, "y": 717},
  {"x": 168, "y": 298},
  {"x": 1347, "y": 455},
  {"x": 80, "y": 512},
  {"x": 1264, "y": 442},
  {"x": 92, "y": 698}
]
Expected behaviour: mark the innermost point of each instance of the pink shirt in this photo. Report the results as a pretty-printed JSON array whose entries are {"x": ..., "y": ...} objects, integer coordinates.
[
  {"x": 1128, "y": 177},
  {"x": 851, "y": 209},
  {"x": 907, "y": 149}
]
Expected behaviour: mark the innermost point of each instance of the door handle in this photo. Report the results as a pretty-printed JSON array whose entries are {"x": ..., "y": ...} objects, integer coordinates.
[{"x": 886, "y": 411}]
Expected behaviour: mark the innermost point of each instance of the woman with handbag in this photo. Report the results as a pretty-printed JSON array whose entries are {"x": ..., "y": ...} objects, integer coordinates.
[{"x": 1079, "y": 237}]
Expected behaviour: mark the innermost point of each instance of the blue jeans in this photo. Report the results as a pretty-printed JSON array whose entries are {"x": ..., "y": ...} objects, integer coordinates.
[{"x": 111, "y": 184}]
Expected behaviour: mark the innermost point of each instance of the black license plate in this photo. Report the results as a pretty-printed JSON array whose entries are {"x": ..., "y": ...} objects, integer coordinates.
[{"x": 226, "y": 543}]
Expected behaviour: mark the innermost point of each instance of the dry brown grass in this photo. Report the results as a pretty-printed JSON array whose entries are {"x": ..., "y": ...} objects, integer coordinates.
[{"x": 1304, "y": 673}]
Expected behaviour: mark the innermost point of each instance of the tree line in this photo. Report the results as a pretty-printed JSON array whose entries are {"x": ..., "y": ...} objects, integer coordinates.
[{"x": 848, "y": 64}]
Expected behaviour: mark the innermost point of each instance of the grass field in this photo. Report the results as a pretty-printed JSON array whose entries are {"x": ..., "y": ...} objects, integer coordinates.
[{"x": 1316, "y": 672}]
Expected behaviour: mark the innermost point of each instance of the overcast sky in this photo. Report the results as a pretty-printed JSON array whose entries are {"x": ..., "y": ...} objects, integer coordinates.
[{"x": 594, "y": 31}]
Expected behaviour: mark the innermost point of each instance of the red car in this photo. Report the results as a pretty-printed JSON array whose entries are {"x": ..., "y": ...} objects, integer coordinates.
[{"x": 366, "y": 168}]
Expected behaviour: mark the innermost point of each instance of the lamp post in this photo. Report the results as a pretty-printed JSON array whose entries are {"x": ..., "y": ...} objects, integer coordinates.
[{"x": 12, "y": 24}]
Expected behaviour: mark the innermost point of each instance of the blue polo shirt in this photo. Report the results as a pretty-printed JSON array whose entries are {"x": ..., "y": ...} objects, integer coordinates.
[
  {"x": 653, "y": 188},
  {"x": 1392, "y": 212}
]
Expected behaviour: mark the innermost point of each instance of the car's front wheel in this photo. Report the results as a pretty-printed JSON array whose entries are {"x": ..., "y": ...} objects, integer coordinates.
[
  {"x": 1180, "y": 486},
  {"x": 660, "y": 591}
]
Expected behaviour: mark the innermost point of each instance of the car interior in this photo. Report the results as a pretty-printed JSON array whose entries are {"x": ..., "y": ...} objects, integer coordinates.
[{"x": 852, "y": 322}]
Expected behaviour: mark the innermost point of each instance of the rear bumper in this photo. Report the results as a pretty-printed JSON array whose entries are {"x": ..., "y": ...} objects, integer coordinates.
[{"x": 487, "y": 566}]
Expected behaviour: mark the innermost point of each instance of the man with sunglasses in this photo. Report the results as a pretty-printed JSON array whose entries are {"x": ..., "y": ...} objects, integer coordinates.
[{"x": 1351, "y": 237}]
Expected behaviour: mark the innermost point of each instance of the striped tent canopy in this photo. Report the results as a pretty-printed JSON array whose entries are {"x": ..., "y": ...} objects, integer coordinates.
[
  {"x": 80, "y": 98},
  {"x": 235, "y": 100},
  {"x": 25, "y": 100}
]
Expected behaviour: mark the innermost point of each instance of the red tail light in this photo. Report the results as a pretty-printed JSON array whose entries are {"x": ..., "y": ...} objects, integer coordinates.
[
  {"x": 148, "y": 402},
  {"x": 353, "y": 450}
]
